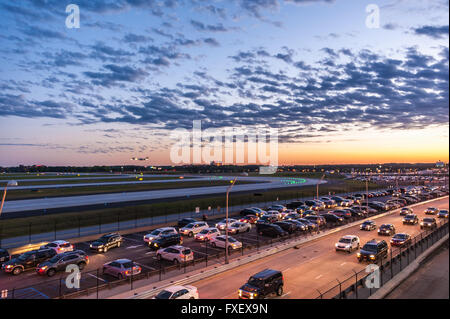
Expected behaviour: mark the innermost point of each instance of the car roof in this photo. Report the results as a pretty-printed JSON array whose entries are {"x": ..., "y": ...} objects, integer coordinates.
[
  {"x": 174, "y": 289},
  {"x": 266, "y": 273},
  {"x": 122, "y": 260},
  {"x": 59, "y": 242},
  {"x": 349, "y": 236}
]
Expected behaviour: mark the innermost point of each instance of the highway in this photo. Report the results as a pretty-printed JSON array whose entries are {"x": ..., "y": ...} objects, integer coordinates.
[
  {"x": 314, "y": 266},
  {"x": 261, "y": 183}
]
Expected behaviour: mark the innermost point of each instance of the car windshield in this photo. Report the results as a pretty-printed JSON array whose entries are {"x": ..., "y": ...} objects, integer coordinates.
[
  {"x": 370, "y": 247},
  {"x": 155, "y": 232},
  {"x": 384, "y": 226},
  {"x": 444, "y": 211},
  {"x": 401, "y": 236},
  {"x": 189, "y": 225},
  {"x": 345, "y": 240},
  {"x": 409, "y": 216},
  {"x": 232, "y": 240},
  {"x": 24, "y": 256},
  {"x": 186, "y": 252},
  {"x": 55, "y": 259},
  {"x": 367, "y": 223},
  {"x": 255, "y": 282},
  {"x": 428, "y": 220},
  {"x": 204, "y": 231},
  {"x": 164, "y": 295}
]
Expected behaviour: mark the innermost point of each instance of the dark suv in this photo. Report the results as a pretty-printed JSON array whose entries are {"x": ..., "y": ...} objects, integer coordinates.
[
  {"x": 386, "y": 229},
  {"x": 164, "y": 241},
  {"x": 410, "y": 219},
  {"x": 28, "y": 260},
  {"x": 262, "y": 285},
  {"x": 270, "y": 230},
  {"x": 106, "y": 242},
  {"x": 373, "y": 251},
  {"x": 61, "y": 261}
]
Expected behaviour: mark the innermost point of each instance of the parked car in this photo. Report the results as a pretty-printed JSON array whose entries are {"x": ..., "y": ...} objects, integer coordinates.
[
  {"x": 183, "y": 222},
  {"x": 122, "y": 268},
  {"x": 221, "y": 225},
  {"x": 59, "y": 246},
  {"x": 331, "y": 218},
  {"x": 251, "y": 219},
  {"x": 429, "y": 223},
  {"x": 401, "y": 239},
  {"x": 4, "y": 256},
  {"x": 386, "y": 229},
  {"x": 291, "y": 216},
  {"x": 207, "y": 234},
  {"x": 295, "y": 204},
  {"x": 368, "y": 225},
  {"x": 270, "y": 230},
  {"x": 311, "y": 225},
  {"x": 318, "y": 220},
  {"x": 159, "y": 232},
  {"x": 288, "y": 227},
  {"x": 248, "y": 211},
  {"x": 193, "y": 228},
  {"x": 262, "y": 285},
  {"x": 299, "y": 225},
  {"x": 373, "y": 251},
  {"x": 61, "y": 261},
  {"x": 342, "y": 213},
  {"x": 165, "y": 241},
  {"x": 431, "y": 211},
  {"x": 378, "y": 206},
  {"x": 267, "y": 219},
  {"x": 348, "y": 243},
  {"x": 279, "y": 208},
  {"x": 238, "y": 227},
  {"x": 28, "y": 260},
  {"x": 405, "y": 211},
  {"x": 220, "y": 242},
  {"x": 410, "y": 219},
  {"x": 178, "y": 292},
  {"x": 106, "y": 242},
  {"x": 177, "y": 254},
  {"x": 443, "y": 213}
]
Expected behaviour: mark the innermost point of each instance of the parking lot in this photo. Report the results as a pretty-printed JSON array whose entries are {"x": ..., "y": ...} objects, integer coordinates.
[{"x": 31, "y": 285}]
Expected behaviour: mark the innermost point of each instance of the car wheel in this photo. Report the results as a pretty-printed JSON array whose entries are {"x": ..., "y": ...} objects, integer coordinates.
[
  {"x": 51, "y": 272},
  {"x": 175, "y": 261},
  {"x": 81, "y": 265},
  {"x": 213, "y": 244},
  {"x": 191, "y": 234},
  {"x": 17, "y": 271},
  {"x": 248, "y": 229},
  {"x": 119, "y": 276},
  {"x": 230, "y": 248},
  {"x": 192, "y": 298},
  {"x": 280, "y": 290}
]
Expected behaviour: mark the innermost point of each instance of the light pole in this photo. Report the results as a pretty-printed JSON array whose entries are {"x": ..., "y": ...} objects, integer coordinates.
[
  {"x": 226, "y": 217},
  {"x": 367, "y": 194},
  {"x": 317, "y": 186},
  {"x": 11, "y": 184}
]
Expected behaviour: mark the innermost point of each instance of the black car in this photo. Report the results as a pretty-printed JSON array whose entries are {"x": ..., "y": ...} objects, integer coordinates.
[
  {"x": 185, "y": 221},
  {"x": 270, "y": 230},
  {"x": 299, "y": 225},
  {"x": 368, "y": 225},
  {"x": 248, "y": 211},
  {"x": 310, "y": 224},
  {"x": 61, "y": 261},
  {"x": 428, "y": 223},
  {"x": 386, "y": 229},
  {"x": 164, "y": 241},
  {"x": 4, "y": 256},
  {"x": 28, "y": 260},
  {"x": 373, "y": 251},
  {"x": 378, "y": 206},
  {"x": 295, "y": 205},
  {"x": 288, "y": 227},
  {"x": 104, "y": 243},
  {"x": 263, "y": 284},
  {"x": 410, "y": 219},
  {"x": 331, "y": 218},
  {"x": 266, "y": 219}
]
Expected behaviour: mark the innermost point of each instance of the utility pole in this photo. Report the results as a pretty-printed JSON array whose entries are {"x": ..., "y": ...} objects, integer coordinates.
[
  {"x": 226, "y": 227},
  {"x": 10, "y": 183}
]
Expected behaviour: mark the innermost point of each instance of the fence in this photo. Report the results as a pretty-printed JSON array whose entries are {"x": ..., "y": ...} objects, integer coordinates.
[{"x": 354, "y": 287}]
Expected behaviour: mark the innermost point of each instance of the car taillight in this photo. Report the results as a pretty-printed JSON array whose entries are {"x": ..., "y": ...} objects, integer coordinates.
[{"x": 86, "y": 257}]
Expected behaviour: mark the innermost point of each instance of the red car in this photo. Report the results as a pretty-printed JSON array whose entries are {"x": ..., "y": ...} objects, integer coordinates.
[
  {"x": 252, "y": 219},
  {"x": 400, "y": 240}
]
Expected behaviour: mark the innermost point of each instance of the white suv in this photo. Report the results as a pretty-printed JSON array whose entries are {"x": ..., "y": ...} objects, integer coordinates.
[
  {"x": 177, "y": 254},
  {"x": 158, "y": 232},
  {"x": 178, "y": 292},
  {"x": 223, "y": 223},
  {"x": 207, "y": 234},
  {"x": 59, "y": 246},
  {"x": 348, "y": 243},
  {"x": 220, "y": 241},
  {"x": 239, "y": 227},
  {"x": 193, "y": 228}
]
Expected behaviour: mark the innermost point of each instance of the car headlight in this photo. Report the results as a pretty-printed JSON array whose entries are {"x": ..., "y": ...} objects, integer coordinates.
[
  {"x": 422, "y": 224},
  {"x": 240, "y": 292},
  {"x": 358, "y": 255},
  {"x": 372, "y": 256},
  {"x": 44, "y": 267}
]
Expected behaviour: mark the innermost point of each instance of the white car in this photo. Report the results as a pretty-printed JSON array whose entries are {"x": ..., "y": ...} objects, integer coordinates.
[
  {"x": 193, "y": 228},
  {"x": 158, "y": 232},
  {"x": 220, "y": 241},
  {"x": 177, "y": 254},
  {"x": 348, "y": 243},
  {"x": 223, "y": 223},
  {"x": 273, "y": 213},
  {"x": 59, "y": 246},
  {"x": 239, "y": 227},
  {"x": 178, "y": 292},
  {"x": 207, "y": 234},
  {"x": 346, "y": 203}
]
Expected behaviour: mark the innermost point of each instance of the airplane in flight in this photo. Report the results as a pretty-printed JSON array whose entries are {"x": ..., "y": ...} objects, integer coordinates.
[{"x": 139, "y": 158}]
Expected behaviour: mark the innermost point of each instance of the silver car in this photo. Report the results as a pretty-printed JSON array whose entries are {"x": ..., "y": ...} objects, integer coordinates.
[{"x": 121, "y": 268}]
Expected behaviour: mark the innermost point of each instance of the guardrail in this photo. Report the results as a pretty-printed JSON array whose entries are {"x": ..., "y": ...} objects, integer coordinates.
[{"x": 355, "y": 287}]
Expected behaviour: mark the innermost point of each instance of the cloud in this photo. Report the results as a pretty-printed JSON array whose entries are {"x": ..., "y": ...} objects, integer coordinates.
[
  {"x": 116, "y": 74},
  {"x": 435, "y": 32},
  {"x": 200, "y": 26}
]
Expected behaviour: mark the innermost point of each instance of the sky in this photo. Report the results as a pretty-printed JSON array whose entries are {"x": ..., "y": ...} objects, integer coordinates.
[{"x": 336, "y": 88}]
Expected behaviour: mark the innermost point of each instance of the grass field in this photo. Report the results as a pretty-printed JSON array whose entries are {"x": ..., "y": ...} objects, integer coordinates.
[
  {"x": 87, "y": 190},
  {"x": 94, "y": 180},
  {"x": 48, "y": 223}
]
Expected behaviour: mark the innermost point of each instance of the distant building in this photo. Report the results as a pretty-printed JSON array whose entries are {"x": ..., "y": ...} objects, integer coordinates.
[{"x": 440, "y": 164}]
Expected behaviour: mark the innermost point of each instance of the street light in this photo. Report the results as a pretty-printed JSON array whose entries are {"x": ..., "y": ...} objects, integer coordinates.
[
  {"x": 10, "y": 184},
  {"x": 226, "y": 227}
]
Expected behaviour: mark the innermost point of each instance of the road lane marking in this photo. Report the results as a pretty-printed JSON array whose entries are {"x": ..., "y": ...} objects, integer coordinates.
[
  {"x": 320, "y": 276},
  {"x": 97, "y": 277},
  {"x": 343, "y": 263},
  {"x": 132, "y": 247}
]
